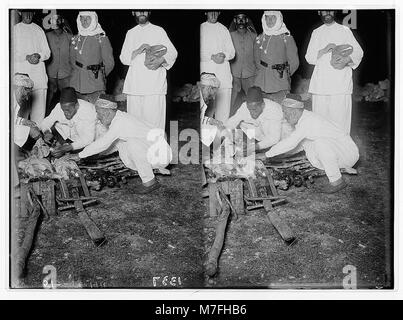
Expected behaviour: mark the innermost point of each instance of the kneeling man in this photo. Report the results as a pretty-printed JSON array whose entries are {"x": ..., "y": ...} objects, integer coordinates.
[
  {"x": 73, "y": 120},
  {"x": 264, "y": 116},
  {"x": 141, "y": 147},
  {"x": 326, "y": 146}
]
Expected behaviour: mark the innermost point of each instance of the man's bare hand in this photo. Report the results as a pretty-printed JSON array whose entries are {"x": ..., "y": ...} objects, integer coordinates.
[
  {"x": 140, "y": 50},
  {"x": 155, "y": 63},
  {"x": 329, "y": 47},
  {"x": 61, "y": 150},
  {"x": 33, "y": 58},
  {"x": 48, "y": 137},
  {"x": 218, "y": 58},
  {"x": 29, "y": 123},
  {"x": 35, "y": 133},
  {"x": 74, "y": 157}
]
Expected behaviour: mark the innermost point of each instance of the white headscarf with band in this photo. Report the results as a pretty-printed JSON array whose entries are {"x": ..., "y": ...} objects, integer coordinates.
[
  {"x": 106, "y": 104},
  {"x": 93, "y": 29},
  {"x": 23, "y": 80},
  {"x": 278, "y": 28},
  {"x": 209, "y": 79}
]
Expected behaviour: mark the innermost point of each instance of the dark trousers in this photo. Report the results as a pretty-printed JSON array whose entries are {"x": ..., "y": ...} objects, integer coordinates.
[
  {"x": 54, "y": 87},
  {"x": 240, "y": 87}
]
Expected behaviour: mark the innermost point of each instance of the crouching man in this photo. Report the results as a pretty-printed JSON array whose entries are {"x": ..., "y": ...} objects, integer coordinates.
[
  {"x": 140, "y": 147},
  {"x": 326, "y": 146},
  {"x": 23, "y": 128},
  {"x": 72, "y": 122},
  {"x": 262, "y": 116}
]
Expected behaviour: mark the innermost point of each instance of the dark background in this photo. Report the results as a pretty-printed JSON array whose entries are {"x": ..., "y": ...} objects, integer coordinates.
[{"x": 375, "y": 33}]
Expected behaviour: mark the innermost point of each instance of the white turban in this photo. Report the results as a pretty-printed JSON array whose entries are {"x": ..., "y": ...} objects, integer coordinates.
[
  {"x": 291, "y": 103},
  {"x": 93, "y": 29},
  {"x": 209, "y": 79},
  {"x": 106, "y": 104},
  {"x": 23, "y": 80},
  {"x": 278, "y": 28}
]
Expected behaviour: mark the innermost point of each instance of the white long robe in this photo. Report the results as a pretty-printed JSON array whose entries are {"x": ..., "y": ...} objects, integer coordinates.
[
  {"x": 140, "y": 147},
  {"x": 81, "y": 129},
  {"x": 29, "y": 39},
  {"x": 325, "y": 79},
  {"x": 269, "y": 127},
  {"x": 215, "y": 38},
  {"x": 326, "y": 146},
  {"x": 140, "y": 80}
]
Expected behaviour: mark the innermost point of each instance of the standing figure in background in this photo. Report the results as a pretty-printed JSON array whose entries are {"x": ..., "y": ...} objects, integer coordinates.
[
  {"x": 216, "y": 49},
  {"x": 91, "y": 57},
  {"x": 149, "y": 53},
  {"x": 335, "y": 53},
  {"x": 276, "y": 57},
  {"x": 58, "y": 66},
  {"x": 30, "y": 51},
  {"x": 243, "y": 67}
]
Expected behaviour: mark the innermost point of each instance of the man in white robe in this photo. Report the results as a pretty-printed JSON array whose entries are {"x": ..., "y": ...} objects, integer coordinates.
[
  {"x": 331, "y": 88},
  {"x": 141, "y": 147},
  {"x": 326, "y": 146},
  {"x": 263, "y": 116},
  {"x": 216, "y": 49},
  {"x": 209, "y": 85},
  {"x": 30, "y": 51},
  {"x": 145, "y": 83},
  {"x": 23, "y": 128},
  {"x": 73, "y": 119}
]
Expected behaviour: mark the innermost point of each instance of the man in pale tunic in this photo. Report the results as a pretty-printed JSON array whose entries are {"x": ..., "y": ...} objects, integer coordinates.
[
  {"x": 73, "y": 120},
  {"x": 326, "y": 146},
  {"x": 142, "y": 149},
  {"x": 262, "y": 116},
  {"x": 216, "y": 49},
  {"x": 332, "y": 87},
  {"x": 31, "y": 49},
  {"x": 149, "y": 53}
]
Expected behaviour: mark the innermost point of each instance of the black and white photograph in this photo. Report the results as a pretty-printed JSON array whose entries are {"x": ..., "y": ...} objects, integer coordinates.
[{"x": 198, "y": 148}]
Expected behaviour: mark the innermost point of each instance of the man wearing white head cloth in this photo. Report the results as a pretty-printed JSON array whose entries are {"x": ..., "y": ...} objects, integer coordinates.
[
  {"x": 326, "y": 146},
  {"x": 149, "y": 53},
  {"x": 23, "y": 128},
  {"x": 209, "y": 85},
  {"x": 141, "y": 149},
  {"x": 30, "y": 51},
  {"x": 276, "y": 57},
  {"x": 91, "y": 57},
  {"x": 331, "y": 83},
  {"x": 216, "y": 50}
]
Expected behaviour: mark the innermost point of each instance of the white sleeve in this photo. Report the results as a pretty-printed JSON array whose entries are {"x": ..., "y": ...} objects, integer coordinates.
[
  {"x": 45, "y": 50},
  {"x": 229, "y": 49},
  {"x": 21, "y": 134},
  {"x": 86, "y": 133},
  {"x": 236, "y": 119},
  {"x": 287, "y": 144},
  {"x": 172, "y": 54},
  {"x": 127, "y": 49},
  {"x": 56, "y": 115},
  {"x": 205, "y": 52},
  {"x": 311, "y": 55},
  {"x": 272, "y": 133},
  {"x": 101, "y": 144},
  {"x": 19, "y": 53},
  {"x": 358, "y": 53}
]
